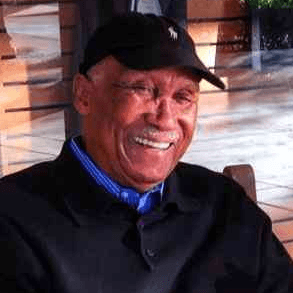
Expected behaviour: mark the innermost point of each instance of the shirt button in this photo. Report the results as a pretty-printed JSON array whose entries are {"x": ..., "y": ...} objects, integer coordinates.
[
  {"x": 141, "y": 224},
  {"x": 124, "y": 194},
  {"x": 150, "y": 252}
]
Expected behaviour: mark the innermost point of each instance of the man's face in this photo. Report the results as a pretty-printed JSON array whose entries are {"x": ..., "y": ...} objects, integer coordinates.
[{"x": 136, "y": 124}]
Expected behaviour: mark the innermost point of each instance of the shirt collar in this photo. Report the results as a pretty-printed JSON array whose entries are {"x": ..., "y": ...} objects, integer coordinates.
[
  {"x": 181, "y": 192},
  {"x": 101, "y": 178}
]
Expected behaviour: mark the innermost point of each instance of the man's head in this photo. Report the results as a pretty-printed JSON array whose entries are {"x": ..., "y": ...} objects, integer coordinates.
[{"x": 138, "y": 97}]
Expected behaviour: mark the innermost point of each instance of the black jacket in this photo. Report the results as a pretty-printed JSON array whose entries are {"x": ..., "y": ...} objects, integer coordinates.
[{"x": 61, "y": 233}]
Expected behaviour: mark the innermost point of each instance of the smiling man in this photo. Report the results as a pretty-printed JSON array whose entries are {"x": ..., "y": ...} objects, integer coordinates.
[
  {"x": 116, "y": 211},
  {"x": 136, "y": 123}
]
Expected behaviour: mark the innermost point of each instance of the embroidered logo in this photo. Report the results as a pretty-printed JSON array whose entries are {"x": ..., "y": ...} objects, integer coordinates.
[{"x": 173, "y": 34}]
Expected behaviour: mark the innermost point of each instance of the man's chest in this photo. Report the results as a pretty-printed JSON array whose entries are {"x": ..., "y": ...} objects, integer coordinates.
[{"x": 152, "y": 254}]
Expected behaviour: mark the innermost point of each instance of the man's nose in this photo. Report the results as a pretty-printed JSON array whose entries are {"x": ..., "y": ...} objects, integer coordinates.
[{"x": 162, "y": 115}]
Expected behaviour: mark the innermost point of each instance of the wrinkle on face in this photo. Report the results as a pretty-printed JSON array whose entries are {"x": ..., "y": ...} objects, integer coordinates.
[{"x": 138, "y": 142}]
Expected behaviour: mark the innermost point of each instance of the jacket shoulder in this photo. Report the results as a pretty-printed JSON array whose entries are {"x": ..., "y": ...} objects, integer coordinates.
[
  {"x": 206, "y": 181},
  {"x": 215, "y": 189},
  {"x": 28, "y": 179}
]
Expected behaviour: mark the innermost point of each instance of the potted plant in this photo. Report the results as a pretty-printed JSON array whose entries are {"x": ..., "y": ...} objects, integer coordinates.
[
  {"x": 272, "y": 31},
  {"x": 275, "y": 4}
]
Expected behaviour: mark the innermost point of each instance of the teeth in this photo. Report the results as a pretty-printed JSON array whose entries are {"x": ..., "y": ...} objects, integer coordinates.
[
  {"x": 154, "y": 144},
  {"x": 153, "y": 132}
]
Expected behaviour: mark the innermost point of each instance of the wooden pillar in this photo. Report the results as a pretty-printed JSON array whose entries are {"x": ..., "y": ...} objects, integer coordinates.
[
  {"x": 70, "y": 40},
  {"x": 176, "y": 9},
  {"x": 255, "y": 42},
  {"x": 83, "y": 17},
  {"x": 6, "y": 50}
]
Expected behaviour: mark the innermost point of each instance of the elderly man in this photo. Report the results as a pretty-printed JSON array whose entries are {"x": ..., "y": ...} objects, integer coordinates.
[{"x": 116, "y": 212}]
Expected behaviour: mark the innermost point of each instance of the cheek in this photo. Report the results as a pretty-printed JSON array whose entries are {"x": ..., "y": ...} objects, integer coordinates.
[
  {"x": 188, "y": 121},
  {"x": 127, "y": 110}
]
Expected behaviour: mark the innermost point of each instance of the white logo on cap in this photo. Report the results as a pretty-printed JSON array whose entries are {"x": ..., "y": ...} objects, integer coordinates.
[{"x": 173, "y": 34}]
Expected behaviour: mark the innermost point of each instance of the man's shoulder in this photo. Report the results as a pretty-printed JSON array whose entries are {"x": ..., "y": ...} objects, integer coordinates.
[
  {"x": 22, "y": 186},
  {"x": 204, "y": 179},
  {"x": 42, "y": 181},
  {"x": 37, "y": 175},
  {"x": 195, "y": 170},
  {"x": 41, "y": 176},
  {"x": 215, "y": 189},
  {"x": 26, "y": 177}
]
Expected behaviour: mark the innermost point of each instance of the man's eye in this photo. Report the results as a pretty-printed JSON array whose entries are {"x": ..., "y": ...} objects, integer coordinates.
[
  {"x": 139, "y": 88},
  {"x": 142, "y": 91},
  {"x": 183, "y": 98}
]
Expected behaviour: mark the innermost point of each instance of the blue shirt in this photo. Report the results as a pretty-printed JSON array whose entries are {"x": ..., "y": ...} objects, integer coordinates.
[{"x": 143, "y": 202}]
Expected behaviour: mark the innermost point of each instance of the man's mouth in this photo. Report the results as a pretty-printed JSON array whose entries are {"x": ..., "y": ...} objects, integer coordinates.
[{"x": 152, "y": 144}]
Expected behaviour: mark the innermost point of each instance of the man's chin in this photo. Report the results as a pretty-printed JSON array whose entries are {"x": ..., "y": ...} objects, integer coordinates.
[
  {"x": 146, "y": 167},
  {"x": 145, "y": 178}
]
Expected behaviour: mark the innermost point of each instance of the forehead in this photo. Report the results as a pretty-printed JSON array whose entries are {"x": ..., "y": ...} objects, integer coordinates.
[
  {"x": 166, "y": 74},
  {"x": 112, "y": 69}
]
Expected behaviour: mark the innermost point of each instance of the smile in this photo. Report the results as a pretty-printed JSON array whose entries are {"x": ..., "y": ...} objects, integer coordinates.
[{"x": 153, "y": 144}]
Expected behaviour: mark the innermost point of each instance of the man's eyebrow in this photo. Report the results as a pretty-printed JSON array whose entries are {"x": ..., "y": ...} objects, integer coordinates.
[
  {"x": 133, "y": 81},
  {"x": 128, "y": 84},
  {"x": 192, "y": 85}
]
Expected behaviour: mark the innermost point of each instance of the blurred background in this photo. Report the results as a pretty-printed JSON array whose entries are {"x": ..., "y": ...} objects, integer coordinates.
[{"x": 251, "y": 122}]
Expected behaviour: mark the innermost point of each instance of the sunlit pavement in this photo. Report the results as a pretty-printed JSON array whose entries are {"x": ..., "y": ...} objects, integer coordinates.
[
  {"x": 31, "y": 142},
  {"x": 253, "y": 132}
]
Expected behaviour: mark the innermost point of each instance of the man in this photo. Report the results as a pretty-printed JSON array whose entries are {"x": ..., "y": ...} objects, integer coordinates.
[{"x": 116, "y": 212}]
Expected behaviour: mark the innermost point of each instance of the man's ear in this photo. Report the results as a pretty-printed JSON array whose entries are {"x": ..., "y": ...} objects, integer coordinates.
[{"x": 81, "y": 91}]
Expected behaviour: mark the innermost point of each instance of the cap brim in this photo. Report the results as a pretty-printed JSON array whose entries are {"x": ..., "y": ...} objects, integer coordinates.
[
  {"x": 208, "y": 76},
  {"x": 148, "y": 58}
]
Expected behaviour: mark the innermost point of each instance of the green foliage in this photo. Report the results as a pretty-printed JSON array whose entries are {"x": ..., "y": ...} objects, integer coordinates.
[{"x": 277, "y": 4}]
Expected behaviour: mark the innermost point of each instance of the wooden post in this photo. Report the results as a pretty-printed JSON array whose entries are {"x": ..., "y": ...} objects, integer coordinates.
[
  {"x": 6, "y": 51},
  {"x": 78, "y": 20},
  {"x": 255, "y": 42}
]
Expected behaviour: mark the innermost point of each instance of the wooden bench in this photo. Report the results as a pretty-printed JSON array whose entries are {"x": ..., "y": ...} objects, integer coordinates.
[
  {"x": 281, "y": 216},
  {"x": 244, "y": 175}
]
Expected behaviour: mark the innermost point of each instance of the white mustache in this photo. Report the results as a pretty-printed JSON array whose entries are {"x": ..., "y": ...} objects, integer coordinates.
[{"x": 151, "y": 131}]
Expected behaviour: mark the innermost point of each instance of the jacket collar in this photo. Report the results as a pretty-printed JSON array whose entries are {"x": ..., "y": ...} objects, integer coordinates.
[
  {"x": 85, "y": 201},
  {"x": 180, "y": 192}
]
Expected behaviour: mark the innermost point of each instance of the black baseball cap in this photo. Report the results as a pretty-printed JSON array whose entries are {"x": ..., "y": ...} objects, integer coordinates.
[{"x": 145, "y": 41}]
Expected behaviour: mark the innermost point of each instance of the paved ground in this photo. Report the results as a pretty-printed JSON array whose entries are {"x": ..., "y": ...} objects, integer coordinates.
[{"x": 250, "y": 132}]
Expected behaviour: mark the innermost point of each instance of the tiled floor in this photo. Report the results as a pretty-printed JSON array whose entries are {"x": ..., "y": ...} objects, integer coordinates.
[
  {"x": 30, "y": 143},
  {"x": 282, "y": 218}
]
